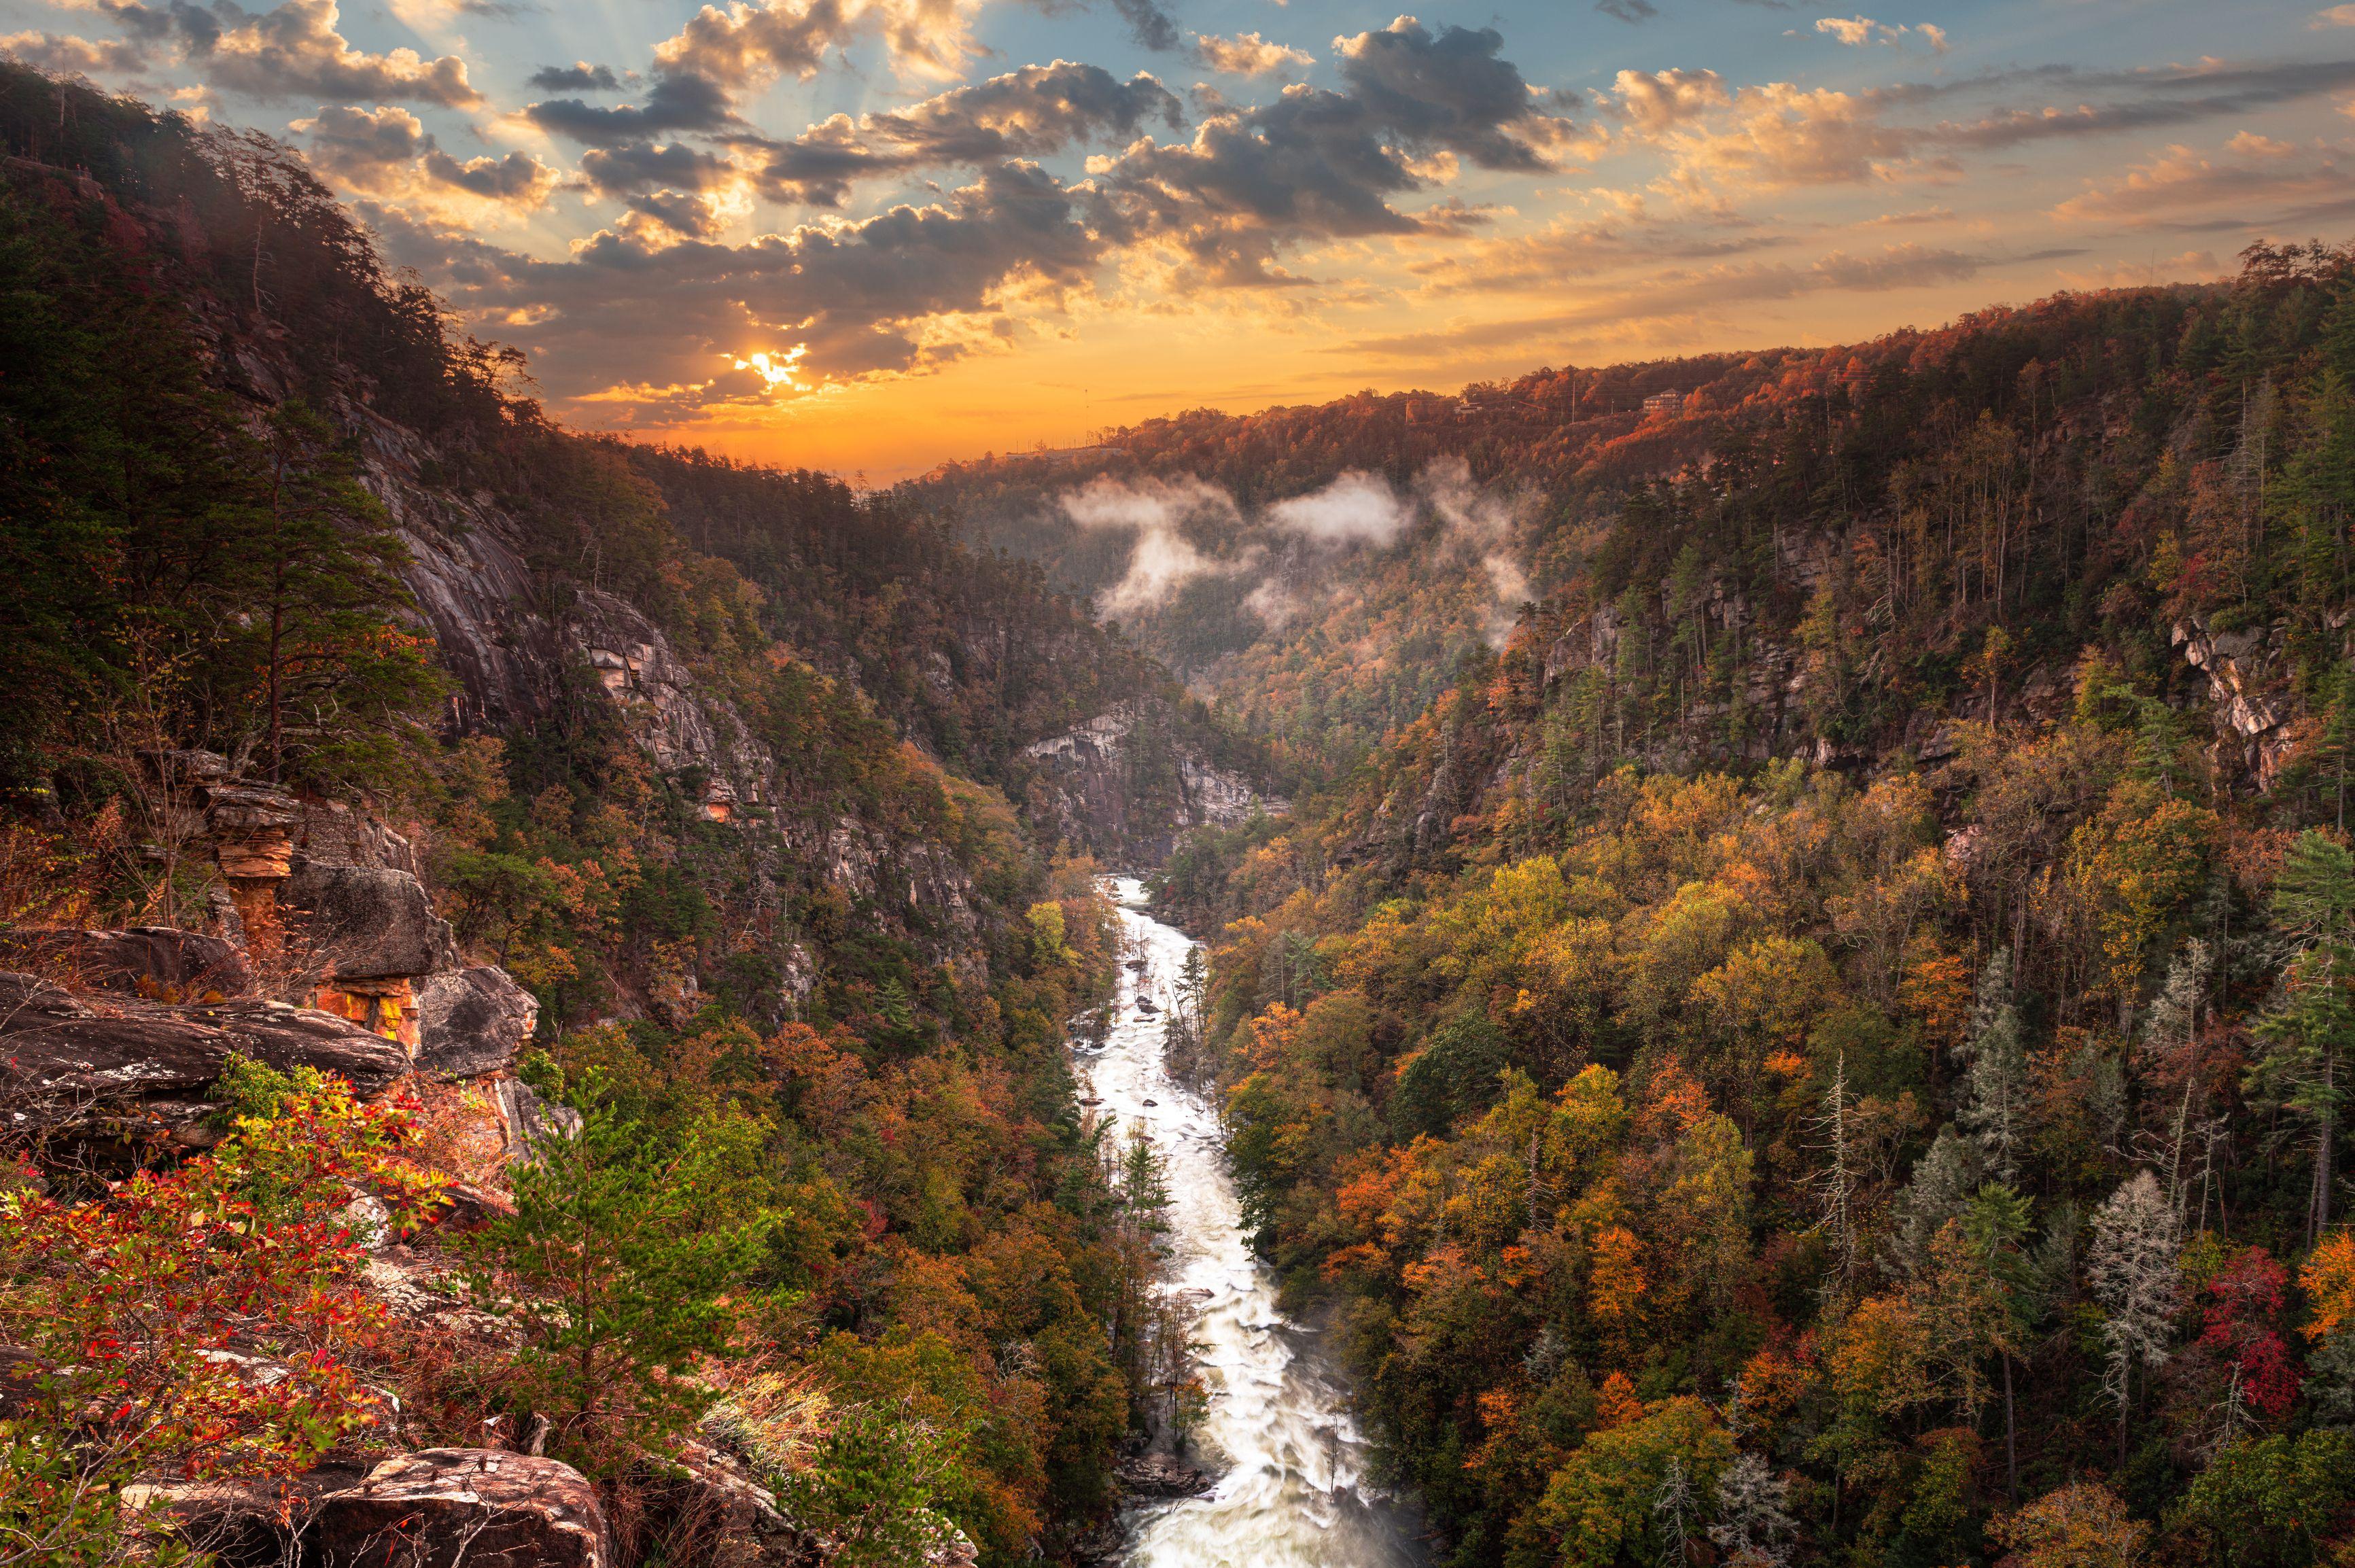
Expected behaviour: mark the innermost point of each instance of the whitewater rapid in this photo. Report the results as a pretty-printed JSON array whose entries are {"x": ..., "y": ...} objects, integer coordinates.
[{"x": 1291, "y": 1492}]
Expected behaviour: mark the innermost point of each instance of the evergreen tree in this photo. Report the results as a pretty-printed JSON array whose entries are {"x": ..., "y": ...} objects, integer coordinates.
[
  {"x": 1996, "y": 1221},
  {"x": 1942, "y": 1183},
  {"x": 1995, "y": 1101},
  {"x": 316, "y": 578},
  {"x": 617, "y": 1266},
  {"x": 2305, "y": 1038}
]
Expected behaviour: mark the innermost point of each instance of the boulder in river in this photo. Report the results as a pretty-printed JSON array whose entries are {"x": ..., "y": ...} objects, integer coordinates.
[{"x": 1162, "y": 1476}]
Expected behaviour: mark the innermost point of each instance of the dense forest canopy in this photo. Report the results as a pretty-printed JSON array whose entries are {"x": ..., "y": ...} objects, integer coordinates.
[{"x": 1828, "y": 1042}]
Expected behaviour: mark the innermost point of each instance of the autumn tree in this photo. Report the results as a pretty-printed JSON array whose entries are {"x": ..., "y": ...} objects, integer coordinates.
[{"x": 2080, "y": 1526}]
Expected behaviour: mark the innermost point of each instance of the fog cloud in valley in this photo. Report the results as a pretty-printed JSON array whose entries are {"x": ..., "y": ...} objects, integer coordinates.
[{"x": 1357, "y": 510}]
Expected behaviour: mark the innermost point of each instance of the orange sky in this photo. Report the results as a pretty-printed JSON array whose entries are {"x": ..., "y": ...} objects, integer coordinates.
[{"x": 989, "y": 225}]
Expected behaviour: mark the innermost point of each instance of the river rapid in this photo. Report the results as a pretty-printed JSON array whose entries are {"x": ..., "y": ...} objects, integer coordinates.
[{"x": 1278, "y": 1432}]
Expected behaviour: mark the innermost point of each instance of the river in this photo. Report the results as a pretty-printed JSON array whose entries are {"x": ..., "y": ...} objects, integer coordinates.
[{"x": 1278, "y": 1432}]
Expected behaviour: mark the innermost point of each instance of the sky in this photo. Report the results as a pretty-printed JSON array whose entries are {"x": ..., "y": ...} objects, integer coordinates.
[{"x": 874, "y": 235}]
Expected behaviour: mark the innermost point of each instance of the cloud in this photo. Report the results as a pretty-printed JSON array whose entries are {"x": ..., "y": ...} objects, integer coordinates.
[
  {"x": 1454, "y": 90},
  {"x": 349, "y": 141},
  {"x": 750, "y": 44},
  {"x": 519, "y": 179},
  {"x": 290, "y": 52},
  {"x": 577, "y": 77},
  {"x": 1651, "y": 104},
  {"x": 1313, "y": 164},
  {"x": 2336, "y": 16},
  {"x": 1630, "y": 11},
  {"x": 1485, "y": 523},
  {"x": 922, "y": 285},
  {"x": 1248, "y": 54},
  {"x": 641, "y": 166},
  {"x": 684, "y": 189},
  {"x": 675, "y": 103},
  {"x": 878, "y": 296},
  {"x": 1355, "y": 509},
  {"x": 387, "y": 151},
  {"x": 1164, "y": 560},
  {"x": 1776, "y": 135},
  {"x": 1678, "y": 294},
  {"x": 688, "y": 213},
  {"x": 1857, "y": 32},
  {"x": 430, "y": 16},
  {"x": 1569, "y": 248},
  {"x": 68, "y": 55},
  {"x": 1781, "y": 134},
  {"x": 294, "y": 51},
  {"x": 2253, "y": 179},
  {"x": 1149, "y": 25},
  {"x": 2175, "y": 95},
  {"x": 1030, "y": 112}
]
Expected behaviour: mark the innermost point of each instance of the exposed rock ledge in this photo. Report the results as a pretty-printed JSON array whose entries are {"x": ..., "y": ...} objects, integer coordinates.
[
  {"x": 1119, "y": 785},
  {"x": 81, "y": 1062}
]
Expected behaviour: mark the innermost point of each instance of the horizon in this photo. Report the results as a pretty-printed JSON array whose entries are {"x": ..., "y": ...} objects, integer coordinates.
[{"x": 878, "y": 235}]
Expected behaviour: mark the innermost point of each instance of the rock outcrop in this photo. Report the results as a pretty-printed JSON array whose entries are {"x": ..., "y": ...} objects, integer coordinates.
[
  {"x": 371, "y": 935},
  {"x": 1123, "y": 785},
  {"x": 92, "y": 1064},
  {"x": 2249, "y": 692},
  {"x": 461, "y": 1508},
  {"x": 472, "y": 1022},
  {"x": 513, "y": 657},
  {"x": 157, "y": 962}
]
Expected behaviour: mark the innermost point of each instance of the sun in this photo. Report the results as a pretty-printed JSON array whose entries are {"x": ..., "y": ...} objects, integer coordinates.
[{"x": 777, "y": 370}]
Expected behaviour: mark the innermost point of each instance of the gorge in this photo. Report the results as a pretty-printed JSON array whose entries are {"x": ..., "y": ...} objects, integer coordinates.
[{"x": 1736, "y": 961}]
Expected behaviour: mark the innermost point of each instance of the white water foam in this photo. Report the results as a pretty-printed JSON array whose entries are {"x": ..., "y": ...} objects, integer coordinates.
[{"x": 1291, "y": 1492}]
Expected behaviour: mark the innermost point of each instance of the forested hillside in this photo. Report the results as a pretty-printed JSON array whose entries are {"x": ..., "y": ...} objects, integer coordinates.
[
  {"x": 336, "y": 675},
  {"x": 1989, "y": 461},
  {"x": 1830, "y": 1043}
]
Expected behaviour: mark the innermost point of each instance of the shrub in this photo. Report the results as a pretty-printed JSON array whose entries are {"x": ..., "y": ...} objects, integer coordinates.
[{"x": 121, "y": 1312}]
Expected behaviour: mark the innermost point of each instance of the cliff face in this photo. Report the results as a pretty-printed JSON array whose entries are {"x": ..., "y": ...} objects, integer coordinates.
[{"x": 1125, "y": 786}]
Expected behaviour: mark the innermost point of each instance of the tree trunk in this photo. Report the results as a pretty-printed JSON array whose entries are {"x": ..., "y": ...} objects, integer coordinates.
[
  {"x": 2318, "y": 1215},
  {"x": 2126, "y": 1406},
  {"x": 2010, "y": 1432},
  {"x": 277, "y": 603}
]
